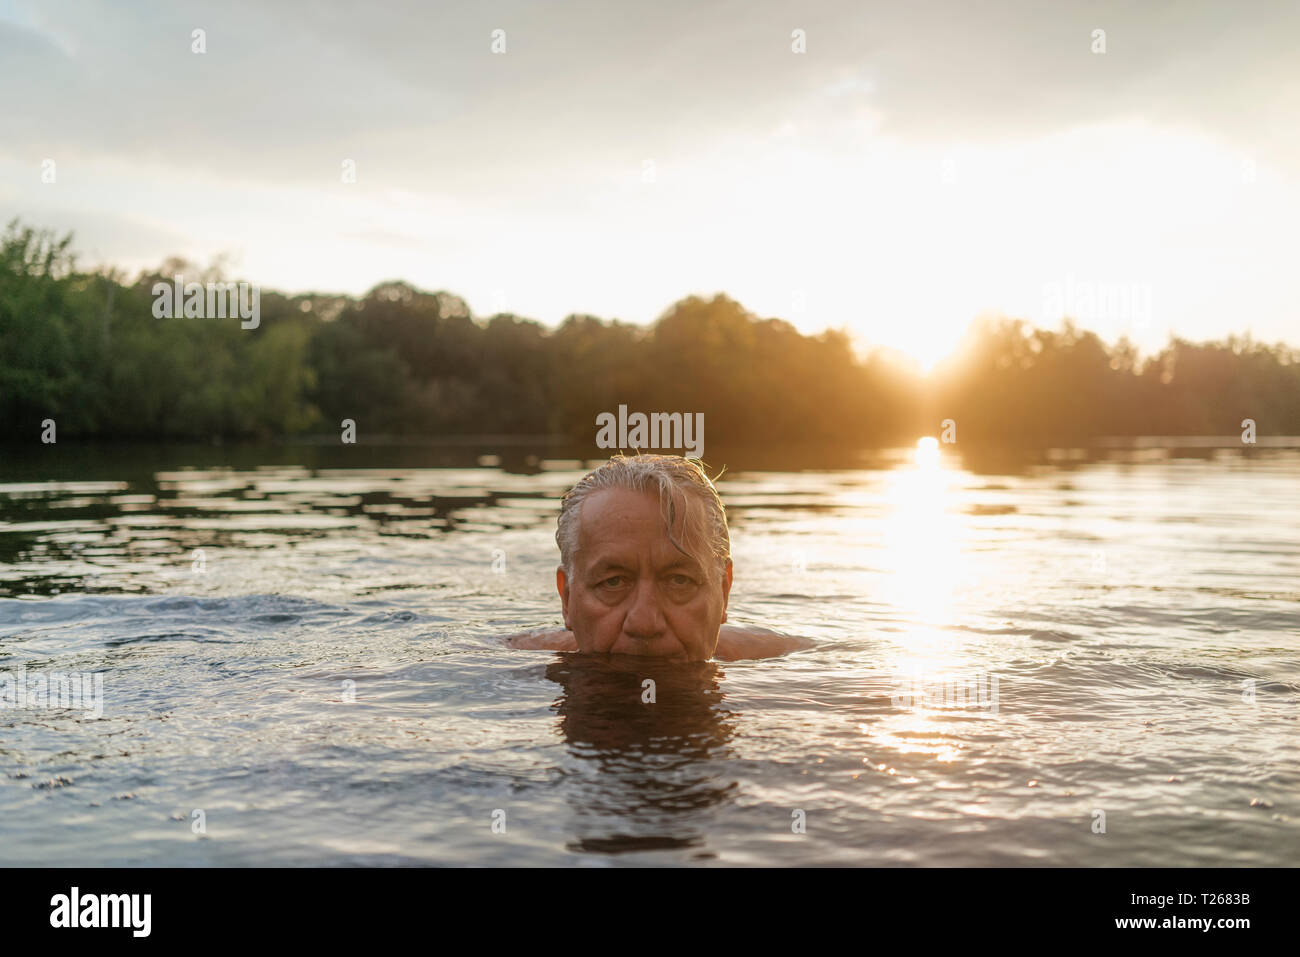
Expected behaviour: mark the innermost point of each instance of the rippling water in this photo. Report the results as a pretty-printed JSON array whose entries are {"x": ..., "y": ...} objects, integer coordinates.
[{"x": 1094, "y": 665}]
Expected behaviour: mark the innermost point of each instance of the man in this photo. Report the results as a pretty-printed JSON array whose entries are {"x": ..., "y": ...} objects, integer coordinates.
[{"x": 645, "y": 568}]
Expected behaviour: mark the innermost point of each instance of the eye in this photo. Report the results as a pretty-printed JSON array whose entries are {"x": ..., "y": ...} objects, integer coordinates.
[
  {"x": 681, "y": 580},
  {"x": 612, "y": 582}
]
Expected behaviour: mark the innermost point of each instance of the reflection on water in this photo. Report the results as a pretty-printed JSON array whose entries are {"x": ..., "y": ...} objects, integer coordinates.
[
  {"x": 308, "y": 650},
  {"x": 647, "y": 739},
  {"x": 923, "y": 539}
]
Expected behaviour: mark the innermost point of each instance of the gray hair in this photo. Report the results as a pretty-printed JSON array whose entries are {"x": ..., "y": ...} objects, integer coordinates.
[{"x": 668, "y": 475}]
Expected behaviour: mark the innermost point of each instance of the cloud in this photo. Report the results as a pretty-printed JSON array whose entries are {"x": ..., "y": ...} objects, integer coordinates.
[
  {"x": 287, "y": 90},
  {"x": 774, "y": 170}
]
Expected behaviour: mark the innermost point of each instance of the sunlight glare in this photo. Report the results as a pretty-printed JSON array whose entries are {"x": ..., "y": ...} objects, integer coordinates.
[{"x": 927, "y": 452}]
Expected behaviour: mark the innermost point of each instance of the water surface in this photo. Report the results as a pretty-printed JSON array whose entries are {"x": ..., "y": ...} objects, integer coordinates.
[{"x": 309, "y": 656}]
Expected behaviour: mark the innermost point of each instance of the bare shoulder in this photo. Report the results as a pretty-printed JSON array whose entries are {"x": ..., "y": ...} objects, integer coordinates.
[
  {"x": 736, "y": 643},
  {"x": 544, "y": 639}
]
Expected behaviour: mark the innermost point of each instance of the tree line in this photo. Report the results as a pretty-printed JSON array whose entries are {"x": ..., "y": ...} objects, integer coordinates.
[{"x": 86, "y": 350}]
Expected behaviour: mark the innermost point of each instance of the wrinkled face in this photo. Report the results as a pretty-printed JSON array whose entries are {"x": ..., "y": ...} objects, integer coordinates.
[{"x": 632, "y": 592}]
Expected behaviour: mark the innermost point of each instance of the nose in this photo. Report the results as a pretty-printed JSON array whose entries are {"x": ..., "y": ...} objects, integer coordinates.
[{"x": 644, "y": 619}]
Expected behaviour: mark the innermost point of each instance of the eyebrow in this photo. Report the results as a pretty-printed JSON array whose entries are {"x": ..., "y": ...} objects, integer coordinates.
[
  {"x": 689, "y": 564},
  {"x": 610, "y": 564},
  {"x": 614, "y": 564}
]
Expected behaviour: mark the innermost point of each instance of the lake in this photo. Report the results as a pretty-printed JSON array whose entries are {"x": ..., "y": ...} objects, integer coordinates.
[{"x": 1084, "y": 662}]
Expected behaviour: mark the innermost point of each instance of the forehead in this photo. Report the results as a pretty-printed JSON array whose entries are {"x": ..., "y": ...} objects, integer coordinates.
[{"x": 619, "y": 522}]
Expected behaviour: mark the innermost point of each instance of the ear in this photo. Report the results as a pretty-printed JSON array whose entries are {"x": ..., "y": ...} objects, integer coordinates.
[
  {"x": 562, "y": 586},
  {"x": 726, "y": 589}
]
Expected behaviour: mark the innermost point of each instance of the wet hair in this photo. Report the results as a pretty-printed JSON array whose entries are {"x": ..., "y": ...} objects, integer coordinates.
[{"x": 680, "y": 483}]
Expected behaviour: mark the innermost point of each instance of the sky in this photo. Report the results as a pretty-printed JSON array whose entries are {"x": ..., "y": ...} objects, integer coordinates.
[{"x": 917, "y": 165}]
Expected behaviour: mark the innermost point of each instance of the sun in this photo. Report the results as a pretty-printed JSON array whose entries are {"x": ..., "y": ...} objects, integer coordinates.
[
  {"x": 929, "y": 353},
  {"x": 926, "y": 454},
  {"x": 924, "y": 348}
]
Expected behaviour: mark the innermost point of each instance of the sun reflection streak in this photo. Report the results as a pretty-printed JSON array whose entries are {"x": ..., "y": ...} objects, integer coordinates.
[
  {"x": 923, "y": 532},
  {"x": 922, "y": 535}
]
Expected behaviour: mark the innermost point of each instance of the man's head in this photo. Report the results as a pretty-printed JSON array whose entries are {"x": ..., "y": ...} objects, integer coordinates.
[{"x": 645, "y": 559}]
